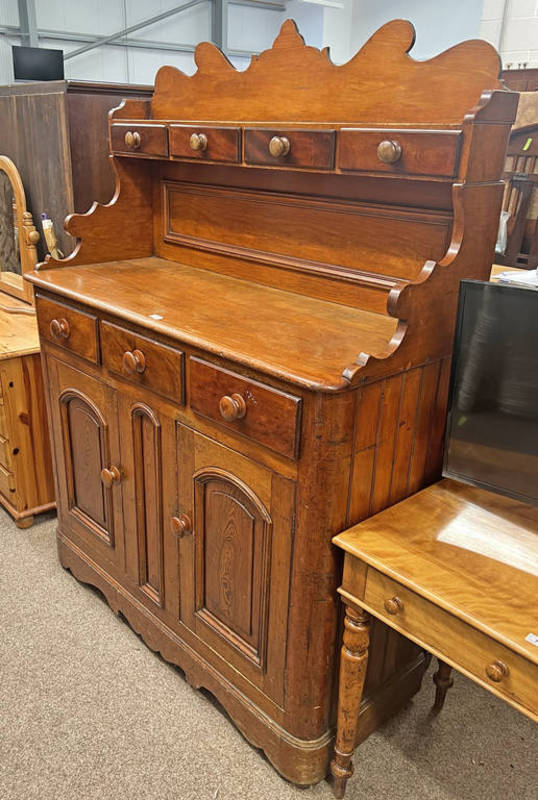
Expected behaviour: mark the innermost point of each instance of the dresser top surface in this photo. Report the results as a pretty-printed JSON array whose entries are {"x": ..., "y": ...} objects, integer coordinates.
[
  {"x": 18, "y": 331},
  {"x": 470, "y": 551},
  {"x": 299, "y": 339}
]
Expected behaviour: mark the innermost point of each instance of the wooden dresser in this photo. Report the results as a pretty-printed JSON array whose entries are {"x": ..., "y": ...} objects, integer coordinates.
[{"x": 248, "y": 351}]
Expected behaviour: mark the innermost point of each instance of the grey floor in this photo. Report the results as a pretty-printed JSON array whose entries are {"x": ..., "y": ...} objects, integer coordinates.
[{"x": 87, "y": 711}]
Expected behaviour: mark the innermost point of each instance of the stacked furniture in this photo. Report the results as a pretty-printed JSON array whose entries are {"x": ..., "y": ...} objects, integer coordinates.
[
  {"x": 521, "y": 193},
  {"x": 249, "y": 351},
  {"x": 56, "y": 134},
  {"x": 26, "y": 484}
]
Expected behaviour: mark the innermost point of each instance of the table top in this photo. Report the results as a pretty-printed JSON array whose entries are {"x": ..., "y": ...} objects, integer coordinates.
[
  {"x": 18, "y": 331},
  {"x": 470, "y": 551}
]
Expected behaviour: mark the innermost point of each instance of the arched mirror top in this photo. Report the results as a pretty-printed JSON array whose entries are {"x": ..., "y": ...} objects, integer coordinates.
[{"x": 18, "y": 235}]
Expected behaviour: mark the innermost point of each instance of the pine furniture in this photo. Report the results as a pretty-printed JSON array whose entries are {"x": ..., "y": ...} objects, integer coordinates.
[
  {"x": 248, "y": 351},
  {"x": 26, "y": 485},
  {"x": 455, "y": 569}
]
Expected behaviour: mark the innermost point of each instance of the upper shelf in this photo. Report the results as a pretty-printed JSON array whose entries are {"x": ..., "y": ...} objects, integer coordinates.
[{"x": 300, "y": 339}]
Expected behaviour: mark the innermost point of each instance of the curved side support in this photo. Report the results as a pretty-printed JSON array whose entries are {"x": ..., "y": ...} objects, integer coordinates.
[{"x": 118, "y": 230}]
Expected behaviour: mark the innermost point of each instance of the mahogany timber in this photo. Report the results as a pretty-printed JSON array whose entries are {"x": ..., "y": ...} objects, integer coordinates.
[
  {"x": 221, "y": 144},
  {"x": 326, "y": 296},
  {"x": 440, "y": 567}
]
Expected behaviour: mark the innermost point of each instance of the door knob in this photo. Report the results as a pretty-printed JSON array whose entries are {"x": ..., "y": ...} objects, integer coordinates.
[
  {"x": 393, "y": 606},
  {"x": 109, "y": 476},
  {"x": 133, "y": 361},
  {"x": 497, "y": 671},
  {"x": 279, "y": 146},
  {"x": 181, "y": 525},
  {"x": 198, "y": 141},
  {"x": 60, "y": 328},
  {"x": 389, "y": 151},
  {"x": 132, "y": 140},
  {"x": 232, "y": 407}
]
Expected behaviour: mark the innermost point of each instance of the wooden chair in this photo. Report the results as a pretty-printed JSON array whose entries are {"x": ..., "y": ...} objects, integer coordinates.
[{"x": 521, "y": 199}]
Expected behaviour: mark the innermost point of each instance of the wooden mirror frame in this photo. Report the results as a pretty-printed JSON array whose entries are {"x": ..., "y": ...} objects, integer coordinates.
[{"x": 28, "y": 238}]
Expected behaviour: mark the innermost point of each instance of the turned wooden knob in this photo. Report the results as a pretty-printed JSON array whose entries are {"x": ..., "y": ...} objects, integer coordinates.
[
  {"x": 497, "y": 671},
  {"x": 232, "y": 407},
  {"x": 132, "y": 140},
  {"x": 133, "y": 361},
  {"x": 389, "y": 151},
  {"x": 181, "y": 524},
  {"x": 279, "y": 146},
  {"x": 33, "y": 237},
  {"x": 108, "y": 476},
  {"x": 394, "y": 605},
  {"x": 198, "y": 141},
  {"x": 60, "y": 328}
]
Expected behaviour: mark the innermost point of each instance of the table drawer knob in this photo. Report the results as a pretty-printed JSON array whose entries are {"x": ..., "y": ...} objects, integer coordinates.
[
  {"x": 60, "y": 328},
  {"x": 279, "y": 146},
  {"x": 497, "y": 671},
  {"x": 393, "y": 606},
  {"x": 198, "y": 142},
  {"x": 232, "y": 407},
  {"x": 181, "y": 524},
  {"x": 133, "y": 361},
  {"x": 389, "y": 151},
  {"x": 132, "y": 140},
  {"x": 109, "y": 476}
]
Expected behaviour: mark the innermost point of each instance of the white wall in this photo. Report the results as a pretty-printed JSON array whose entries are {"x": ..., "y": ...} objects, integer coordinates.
[
  {"x": 512, "y": 27},
  {"x": 439, "y": 24}
]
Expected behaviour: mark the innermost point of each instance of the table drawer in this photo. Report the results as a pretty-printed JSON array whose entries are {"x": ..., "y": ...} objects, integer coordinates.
[
  {"x": 7, "y": 483},
  {"x": 399, "y": 151},
  {"x": 267, "y": 415},
  {"x": 68, "y": 327},
  {"x": 467, "y": 647},
  {"x": 205, "y": 144},
  {"x": 290, "y": 148},
  {"x": 139, "y": 140},
  {"x": 151, "y": 364}
]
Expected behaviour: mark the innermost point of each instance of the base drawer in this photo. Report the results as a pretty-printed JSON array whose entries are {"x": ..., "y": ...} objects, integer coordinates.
[
  {"x": 462, "y": 644},
  {"x": 136, "y": 358},
  {"x": 245, "y": 406},
  {"x": 68, "y": 327}
]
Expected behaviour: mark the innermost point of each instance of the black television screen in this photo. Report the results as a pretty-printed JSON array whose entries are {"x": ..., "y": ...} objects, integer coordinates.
[
  {"x": 492, "y": 428},
  {"x": 38, "y": 64}
]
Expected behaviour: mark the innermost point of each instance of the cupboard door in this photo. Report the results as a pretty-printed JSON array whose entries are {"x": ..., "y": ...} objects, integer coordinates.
[
  {"x": 149, "y": 495},
  {"x": 89, "y": 470},
  {"x": 234, "y": 556}
]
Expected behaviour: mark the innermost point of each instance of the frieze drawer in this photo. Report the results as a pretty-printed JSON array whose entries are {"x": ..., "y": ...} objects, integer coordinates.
[
  {"x": 260, "y": 412},
  {"x": 68, "y": 327},
  {"x": 139, "y": 140},
  {"x": 479, "y": 654},
  {"x": 290, "y": 148},
  {"x": 144, "y": 361},
  {"x": 205, "y": 144},
  {"x": 399, "y": 151}
]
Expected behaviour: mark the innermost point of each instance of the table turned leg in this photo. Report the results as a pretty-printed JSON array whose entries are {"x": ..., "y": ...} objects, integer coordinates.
[
  {"x": 353, "y": 661},
  {"x": 443, "y": 681}
]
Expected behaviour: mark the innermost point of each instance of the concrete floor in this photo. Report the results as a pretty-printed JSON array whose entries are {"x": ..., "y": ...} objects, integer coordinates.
[{"x": 88, "y": 711}]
